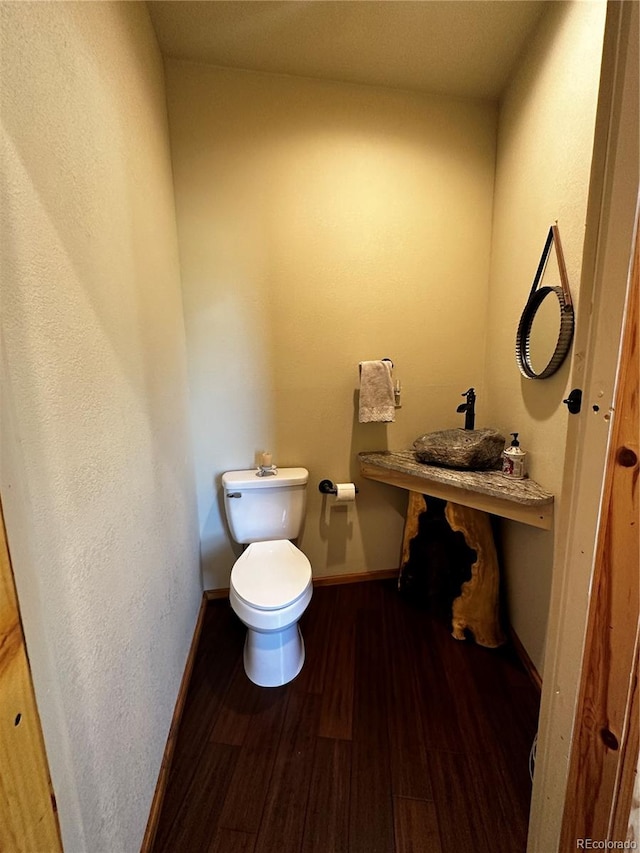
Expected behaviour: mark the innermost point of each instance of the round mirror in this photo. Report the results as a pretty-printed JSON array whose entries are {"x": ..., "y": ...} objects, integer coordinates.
[{"x": 544, "y": 333}]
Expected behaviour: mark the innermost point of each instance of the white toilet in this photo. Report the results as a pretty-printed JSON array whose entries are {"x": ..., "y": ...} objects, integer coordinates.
[{"x": 271, "y": 583}]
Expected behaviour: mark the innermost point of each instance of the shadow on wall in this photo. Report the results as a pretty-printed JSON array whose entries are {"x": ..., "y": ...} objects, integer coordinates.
[
  {"x": 522, "y": 600},
  {"x": 336, "y": 529},
  {"x": 542, "y": 399},
  {"x": 377, "y": 497},
  {"x": 340, "y": 524},
  {"x": 370, "y": 436},
  {"x": 218, "y": 551}
]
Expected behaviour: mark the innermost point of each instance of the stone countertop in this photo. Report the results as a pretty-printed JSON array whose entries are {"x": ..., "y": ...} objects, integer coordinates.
[{"x": 491, "y": 483}]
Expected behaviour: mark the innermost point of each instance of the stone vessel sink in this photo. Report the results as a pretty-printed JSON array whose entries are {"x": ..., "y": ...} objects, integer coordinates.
[{"x": 465, "y": 449}]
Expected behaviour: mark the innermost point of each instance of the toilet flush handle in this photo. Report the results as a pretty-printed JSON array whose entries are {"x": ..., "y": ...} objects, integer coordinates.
[{"x": 234, "y": 494}]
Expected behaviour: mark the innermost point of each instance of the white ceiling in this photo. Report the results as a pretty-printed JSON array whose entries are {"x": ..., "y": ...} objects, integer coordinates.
[{"x": 465, "y": 48}]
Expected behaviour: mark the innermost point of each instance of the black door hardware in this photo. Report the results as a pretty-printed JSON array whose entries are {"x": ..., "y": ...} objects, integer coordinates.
[{"x": 574, "y": 401}]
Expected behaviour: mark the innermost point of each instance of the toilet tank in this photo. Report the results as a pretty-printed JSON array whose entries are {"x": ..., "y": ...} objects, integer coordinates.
[{"x": 262, "y": 508}]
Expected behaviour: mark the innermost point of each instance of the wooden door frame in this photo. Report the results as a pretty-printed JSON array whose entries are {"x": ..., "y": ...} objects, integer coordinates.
[
  {"x": 604, "y": 753},
  {"x": 573, "y": 636},
  {"x": 28, "y": 816}
]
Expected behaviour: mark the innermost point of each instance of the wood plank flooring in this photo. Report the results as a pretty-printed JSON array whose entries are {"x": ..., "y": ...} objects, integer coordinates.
[{"x": 394, "y": 738}]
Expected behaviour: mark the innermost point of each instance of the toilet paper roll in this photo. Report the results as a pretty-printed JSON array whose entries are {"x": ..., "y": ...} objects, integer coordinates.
[{"x": 345, "y": 492}]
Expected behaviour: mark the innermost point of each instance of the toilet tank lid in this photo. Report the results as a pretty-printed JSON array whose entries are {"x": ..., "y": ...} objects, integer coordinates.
[{"x": 250, "y": 479}]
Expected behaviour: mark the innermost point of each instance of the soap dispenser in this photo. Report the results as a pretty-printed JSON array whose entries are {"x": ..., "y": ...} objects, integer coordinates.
[{"x": 513, "y": 460}]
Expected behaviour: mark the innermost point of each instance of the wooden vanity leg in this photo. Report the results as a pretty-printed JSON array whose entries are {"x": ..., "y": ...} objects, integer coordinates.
[
  {"x": 416, "y": 506},
  {"x": 476, "y": 608}
]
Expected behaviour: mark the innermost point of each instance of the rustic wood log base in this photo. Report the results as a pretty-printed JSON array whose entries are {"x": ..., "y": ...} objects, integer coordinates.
[
  {"x": 476, "y": 609},
  {"x": 470, "y": 496},
  {"x": 416, "y": 506}
]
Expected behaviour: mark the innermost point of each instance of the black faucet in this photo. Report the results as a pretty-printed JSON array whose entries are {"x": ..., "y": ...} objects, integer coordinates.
[{"x": 468, "y": 408}]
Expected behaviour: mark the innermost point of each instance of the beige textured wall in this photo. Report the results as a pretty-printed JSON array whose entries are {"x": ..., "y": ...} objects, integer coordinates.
[
  {"x": 96, "y": 477},
  {"x": 545, "y": 140},
  {"x": 321, "y": 224}
]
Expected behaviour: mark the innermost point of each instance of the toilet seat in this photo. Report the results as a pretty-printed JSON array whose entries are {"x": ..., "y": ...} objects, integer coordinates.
[{"x": 271, "y": 575}]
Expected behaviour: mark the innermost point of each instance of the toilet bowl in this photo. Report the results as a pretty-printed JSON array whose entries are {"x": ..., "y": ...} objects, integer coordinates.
[{"x": 269, "y": 590}]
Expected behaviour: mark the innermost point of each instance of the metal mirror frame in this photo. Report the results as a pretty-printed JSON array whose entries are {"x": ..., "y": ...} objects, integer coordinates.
[{"x": 536, "y": 297}]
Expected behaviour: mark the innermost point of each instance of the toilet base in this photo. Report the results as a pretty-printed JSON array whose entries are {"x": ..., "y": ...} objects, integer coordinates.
[{"x": 275, "y": 658}]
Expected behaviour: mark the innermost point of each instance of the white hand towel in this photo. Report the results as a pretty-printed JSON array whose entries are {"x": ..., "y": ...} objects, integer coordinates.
[{"x": 376, "y": 393}]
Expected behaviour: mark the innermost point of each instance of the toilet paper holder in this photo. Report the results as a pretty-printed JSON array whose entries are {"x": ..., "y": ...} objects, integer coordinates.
[{"x": 328, "y": 488}]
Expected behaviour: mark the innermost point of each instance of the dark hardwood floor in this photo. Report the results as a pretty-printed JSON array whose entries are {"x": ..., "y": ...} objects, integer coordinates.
[{"x": 394, "y": 737}]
